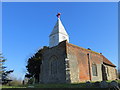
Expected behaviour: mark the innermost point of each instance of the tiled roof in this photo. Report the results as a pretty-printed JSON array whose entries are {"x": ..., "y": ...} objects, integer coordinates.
[
  {"x": 106, "y": 61},
  {"x": 84, "y": 48}
]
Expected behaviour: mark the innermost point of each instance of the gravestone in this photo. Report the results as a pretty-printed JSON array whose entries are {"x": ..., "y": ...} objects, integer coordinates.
[
  {"x": 113, "y": 84},
  {"x": 88, "y": 84},
  {"x": 97, "y": 84},
  {"x": 104, "y": 84}
]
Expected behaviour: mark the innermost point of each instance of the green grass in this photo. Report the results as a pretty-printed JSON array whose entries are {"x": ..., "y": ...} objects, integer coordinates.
[
  {"x": 114, "y": 80},
  {"x": 82, "y": 85},
  {"x": 5, "y": 86},
  {"x": 74, "y": 85}
]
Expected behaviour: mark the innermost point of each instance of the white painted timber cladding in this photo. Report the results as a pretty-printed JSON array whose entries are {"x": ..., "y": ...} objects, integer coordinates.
[{"x": 58, "y": 34}]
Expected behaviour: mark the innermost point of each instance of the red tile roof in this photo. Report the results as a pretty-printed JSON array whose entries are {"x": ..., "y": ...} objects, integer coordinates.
[{"x": 106, "y": 61}]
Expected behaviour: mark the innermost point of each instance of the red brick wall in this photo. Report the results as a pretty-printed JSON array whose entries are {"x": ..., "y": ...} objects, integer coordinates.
[{"x": 82, "y": 58}]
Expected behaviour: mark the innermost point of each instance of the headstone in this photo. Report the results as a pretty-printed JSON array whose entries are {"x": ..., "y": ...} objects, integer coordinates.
[
  {"x": 113, "y": 84},
  {"x": 103, "y": 84},
  {"x": 97, "y": 84},
  {"x": 88, "y": 84}
]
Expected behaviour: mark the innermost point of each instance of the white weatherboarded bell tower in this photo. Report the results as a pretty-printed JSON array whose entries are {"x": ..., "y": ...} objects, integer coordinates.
[{"x": 58, "y": 33}]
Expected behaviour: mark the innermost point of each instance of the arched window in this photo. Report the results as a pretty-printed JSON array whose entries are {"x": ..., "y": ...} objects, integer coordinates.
[
  {"x": 53, "y": 66},
  {"x": 94, "y": 69}
]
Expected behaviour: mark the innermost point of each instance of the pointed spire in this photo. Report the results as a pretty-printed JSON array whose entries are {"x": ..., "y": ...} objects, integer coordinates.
[
  {"x": 58, "y": 33},
  {"x": 58, "y": 28}
]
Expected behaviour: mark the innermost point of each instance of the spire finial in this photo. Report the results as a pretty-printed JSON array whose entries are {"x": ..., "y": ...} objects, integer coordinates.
[{"x": 58, "y": 15}]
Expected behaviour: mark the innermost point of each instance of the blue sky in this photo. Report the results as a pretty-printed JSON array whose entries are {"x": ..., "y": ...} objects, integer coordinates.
[{"x": 26, "y": 27}]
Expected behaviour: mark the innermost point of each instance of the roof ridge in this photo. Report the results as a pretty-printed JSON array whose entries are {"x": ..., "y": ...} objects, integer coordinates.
[{"x": 85, "y": 49}]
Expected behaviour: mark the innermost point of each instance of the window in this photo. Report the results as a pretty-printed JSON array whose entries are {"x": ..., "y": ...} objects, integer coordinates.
[
  {"x": 107, "y": 71},
  {"x": 94, "y": 69},
  {"x": 53, "y": 65}
]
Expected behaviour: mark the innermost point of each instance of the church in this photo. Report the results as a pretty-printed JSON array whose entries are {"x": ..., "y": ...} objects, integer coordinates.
[{"x": 63, "y": 62}]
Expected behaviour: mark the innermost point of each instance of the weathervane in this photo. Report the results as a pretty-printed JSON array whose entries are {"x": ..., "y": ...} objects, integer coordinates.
[{"x": 58, "y": 15}]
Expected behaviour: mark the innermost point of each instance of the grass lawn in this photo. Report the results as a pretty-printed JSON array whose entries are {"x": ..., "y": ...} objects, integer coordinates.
[
  {"x": 81, "y": 85},
  {"x": 75, "y": 85},
  {"x": 6, "y": 86}
]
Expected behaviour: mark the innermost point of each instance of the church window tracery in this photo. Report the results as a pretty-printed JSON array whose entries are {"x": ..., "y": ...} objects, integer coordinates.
[{"x": 53, "y": 66}]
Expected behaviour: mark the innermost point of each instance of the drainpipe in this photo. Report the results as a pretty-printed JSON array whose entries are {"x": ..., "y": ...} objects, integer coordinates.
[{"x": 89, "y": 65}]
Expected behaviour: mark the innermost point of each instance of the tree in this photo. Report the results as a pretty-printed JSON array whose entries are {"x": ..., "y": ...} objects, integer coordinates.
[
  {"x": 3, "y": 73},
  {"x": 33, "y": 66}
]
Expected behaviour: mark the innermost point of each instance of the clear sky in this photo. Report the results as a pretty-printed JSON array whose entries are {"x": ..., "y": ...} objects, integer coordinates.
[{"x": 26, "y": 28}]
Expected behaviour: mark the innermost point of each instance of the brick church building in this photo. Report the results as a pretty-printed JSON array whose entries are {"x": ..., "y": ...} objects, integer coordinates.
[{"x": 63, "y": 62}]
